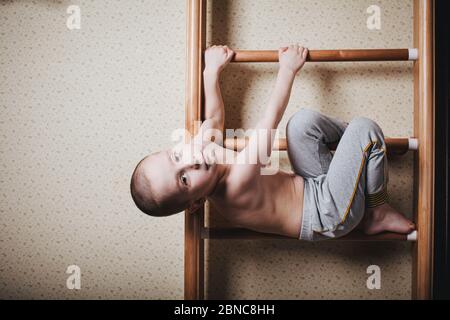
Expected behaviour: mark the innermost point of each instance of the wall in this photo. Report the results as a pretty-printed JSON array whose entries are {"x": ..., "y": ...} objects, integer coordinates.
[{"x": 79, "y": 108}]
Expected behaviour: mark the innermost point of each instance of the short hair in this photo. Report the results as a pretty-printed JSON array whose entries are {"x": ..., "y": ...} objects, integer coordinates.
[{"x": 147, "y": 198}]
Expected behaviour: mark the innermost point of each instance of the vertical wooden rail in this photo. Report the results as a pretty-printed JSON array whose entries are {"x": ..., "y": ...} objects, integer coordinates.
[
  {"x": 193, "y": 243},
  {"x": 424, "y": 158}
]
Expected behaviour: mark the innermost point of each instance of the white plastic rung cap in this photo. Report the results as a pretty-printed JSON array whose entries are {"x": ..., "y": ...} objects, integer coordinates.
[
  {"x": 412, "y": 236},
  {"x": 413, "y": 144},
  {"x": 413, "y": 54}
]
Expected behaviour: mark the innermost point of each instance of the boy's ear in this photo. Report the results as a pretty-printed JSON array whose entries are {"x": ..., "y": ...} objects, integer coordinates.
[{"x": 194, "y": 206}]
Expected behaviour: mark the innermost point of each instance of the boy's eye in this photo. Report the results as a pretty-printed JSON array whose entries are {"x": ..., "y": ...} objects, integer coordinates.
[{"x": 183, "y": 178}]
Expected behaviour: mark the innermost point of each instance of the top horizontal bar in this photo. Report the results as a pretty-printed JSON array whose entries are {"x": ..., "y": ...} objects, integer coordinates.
[{"x": 331, "y": 55}]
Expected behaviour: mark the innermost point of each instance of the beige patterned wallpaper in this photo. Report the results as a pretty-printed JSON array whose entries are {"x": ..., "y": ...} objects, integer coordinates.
[{"x": 79, "y": 108}]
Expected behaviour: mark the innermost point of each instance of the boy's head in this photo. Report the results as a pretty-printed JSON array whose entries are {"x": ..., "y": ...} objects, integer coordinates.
[{"x": 170, "y": 181}]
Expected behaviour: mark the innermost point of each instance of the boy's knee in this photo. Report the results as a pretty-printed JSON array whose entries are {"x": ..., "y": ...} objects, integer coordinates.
[
  {"x": 364, "y": 124},
  {"x": 302, "y": 119}
]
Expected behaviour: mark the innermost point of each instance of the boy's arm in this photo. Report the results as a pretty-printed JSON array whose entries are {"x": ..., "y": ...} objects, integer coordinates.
[
  {"x": 216, "y": 58},
  {"x": 214, "y": 108},
  {"x": 260, "y": 144}
]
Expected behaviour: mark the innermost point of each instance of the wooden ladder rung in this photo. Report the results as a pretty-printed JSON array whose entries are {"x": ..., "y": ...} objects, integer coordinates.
[
  {"x": 394, "y": 145},
  {"x": 331, "y": 55},
  {"x": 246, "y": 234}
]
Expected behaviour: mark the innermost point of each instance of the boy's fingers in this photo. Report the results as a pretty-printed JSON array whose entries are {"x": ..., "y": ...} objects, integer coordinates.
[
  {"x": 230, "y": 54},
  {"x": 305, "y": 53}
]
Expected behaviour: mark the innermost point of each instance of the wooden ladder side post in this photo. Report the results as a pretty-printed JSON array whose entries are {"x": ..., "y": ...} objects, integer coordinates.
[
  {"x": 195, "y": 45},
  {"x": 424, "y": 158}
]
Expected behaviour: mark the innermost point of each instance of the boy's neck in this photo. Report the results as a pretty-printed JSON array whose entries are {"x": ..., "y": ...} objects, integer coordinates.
[
  {"x": 223, "y": 171},
  {"x": 223, "y": 168}
]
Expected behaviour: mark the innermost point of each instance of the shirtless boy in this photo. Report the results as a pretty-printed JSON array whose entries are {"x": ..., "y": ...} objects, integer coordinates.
[{"x": 327, "y": 196}]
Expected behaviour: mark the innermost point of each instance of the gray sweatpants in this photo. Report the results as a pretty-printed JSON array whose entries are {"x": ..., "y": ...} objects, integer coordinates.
[{"x": 338, "y": 187}]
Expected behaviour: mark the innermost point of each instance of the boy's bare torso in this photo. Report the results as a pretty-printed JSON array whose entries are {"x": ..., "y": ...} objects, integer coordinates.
[{"x": 265, "y": 203}]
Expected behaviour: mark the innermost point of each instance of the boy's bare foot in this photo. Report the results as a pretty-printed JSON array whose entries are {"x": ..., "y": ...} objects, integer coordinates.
[{"x": 385, "y": 218}]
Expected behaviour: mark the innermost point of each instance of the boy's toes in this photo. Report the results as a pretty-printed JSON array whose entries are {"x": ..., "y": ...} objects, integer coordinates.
[{"x": 401, "y": 225}]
